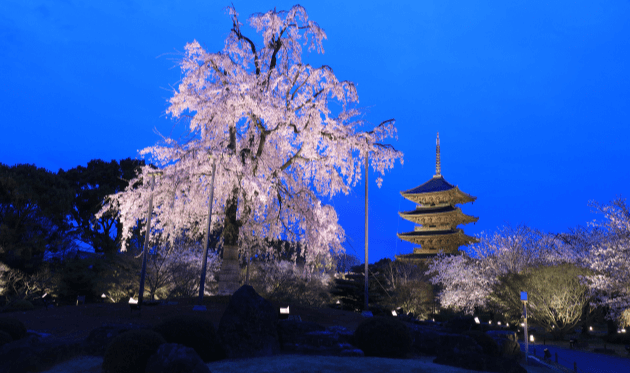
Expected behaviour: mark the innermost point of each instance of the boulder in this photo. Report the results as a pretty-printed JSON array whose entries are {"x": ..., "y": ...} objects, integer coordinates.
[
  {"x": 34, "y": 353},
  {"x": 5, "y": 338},
  {"x": 176, "y": 358},
  {"x": 97, "y": 341},
  {"x": 310, "y": 338},
  {"x": 248, "y": 327},
  {"x": 479, "y": 362}
]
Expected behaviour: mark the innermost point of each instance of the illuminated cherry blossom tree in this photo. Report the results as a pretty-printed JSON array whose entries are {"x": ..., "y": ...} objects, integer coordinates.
[
  {"x": 283, "y": 134},
  {"x": 468, "y": 280},
  {"x": 610, "y": 259}
]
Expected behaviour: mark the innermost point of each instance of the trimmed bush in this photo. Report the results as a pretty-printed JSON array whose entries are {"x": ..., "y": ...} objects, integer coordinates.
[
  {"x": 129, "y": 352},
  {"x": 487, "y": 343},
  {"x": 20, "y": 305},
  {"x": 618, "y": 338},
  {"x": 14, "y": 327},
  {"x": 195, "y": 332},
  {"x": 5, "y": 338},
  {"x": 383, "y": 337}
]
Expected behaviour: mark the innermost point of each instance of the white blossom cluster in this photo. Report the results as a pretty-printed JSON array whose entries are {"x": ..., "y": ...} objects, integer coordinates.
[
  {"x": 610, "y": 259},
  {"x": 264, "y": 116},
  {"x": 468, "y": 280}
]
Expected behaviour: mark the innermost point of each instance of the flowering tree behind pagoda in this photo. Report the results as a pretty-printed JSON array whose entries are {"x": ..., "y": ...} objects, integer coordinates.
[
  {"x": 469, "y": 280},
  {"x": 610, "y": 259},
  {"x": 265, "y": 118}
]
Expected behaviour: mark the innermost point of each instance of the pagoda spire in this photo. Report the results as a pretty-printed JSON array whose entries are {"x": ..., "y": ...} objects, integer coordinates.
[{"x": 437, "y": 157}]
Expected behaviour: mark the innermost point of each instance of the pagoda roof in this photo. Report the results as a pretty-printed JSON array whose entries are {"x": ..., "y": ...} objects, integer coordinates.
[{"x": 436, "y": 184}]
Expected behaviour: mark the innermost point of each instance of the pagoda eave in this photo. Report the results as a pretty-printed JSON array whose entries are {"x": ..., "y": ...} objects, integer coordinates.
[
  {"x": 452, "y": 196},
  {"x": 438, "y": 238}
]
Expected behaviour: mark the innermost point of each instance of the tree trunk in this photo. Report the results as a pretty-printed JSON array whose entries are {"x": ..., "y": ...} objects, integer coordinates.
[{"x": 229, "y": 274}]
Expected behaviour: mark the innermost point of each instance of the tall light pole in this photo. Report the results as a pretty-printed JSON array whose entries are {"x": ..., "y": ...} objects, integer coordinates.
[
  {"x": 147, "y": 238},
  {"x": 365, "y": 307},
  {"x": 524, "y": 300},
  {"x": 207, "y": 239}
]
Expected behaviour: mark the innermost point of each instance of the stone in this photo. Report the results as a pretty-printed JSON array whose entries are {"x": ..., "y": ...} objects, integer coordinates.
[
  {"x": 5, "y": 338},
  {"x": 97, "y": 341},
  {"x": 35, "y": 354},
  {"x": 176, "y": 358},
  {"x": 229, "y": 273},
  {"x": 248, "y": 327},
  {"x": 314, "y": 339}
]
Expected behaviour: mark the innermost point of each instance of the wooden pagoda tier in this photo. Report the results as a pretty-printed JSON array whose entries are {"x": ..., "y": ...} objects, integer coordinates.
[{"x": 437, "y": 217}]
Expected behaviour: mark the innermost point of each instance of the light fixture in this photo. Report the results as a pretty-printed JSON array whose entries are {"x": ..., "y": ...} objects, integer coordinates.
[
  {"x": 103, "y": 296},
  {"x": 284, "y": 311},
  {"x": 394, "y": 313},
  {"x": 590, "y": 328},
  {"x": 477, "y": 320},
  {"x": 499, "y": 323},
  {"x": 623, "y": 330},
  {"x": 531, "y": 338},
  {"x": 522, "y": 324},
  {"x": 133, "y": 301},
  {"x": 489, "y": 322}
]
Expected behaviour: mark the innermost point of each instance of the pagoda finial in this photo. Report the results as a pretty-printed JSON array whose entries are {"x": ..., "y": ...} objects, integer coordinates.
[{"x": 437, "y": 157}]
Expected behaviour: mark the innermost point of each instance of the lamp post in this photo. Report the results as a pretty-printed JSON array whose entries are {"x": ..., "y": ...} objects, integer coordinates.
[
  {"x": 205, "y": 245},
  {"x": 524, "y": 300},
  {"x": 365, "y": 307},
  {"x": 147, "y": 238}
]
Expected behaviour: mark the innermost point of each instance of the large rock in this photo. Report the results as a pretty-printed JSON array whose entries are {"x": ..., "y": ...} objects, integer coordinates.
[
  {"x": 176, "y": 358},
  {"x": 35, "y": 354},
  {"x": 97, "y": 341},
  {"x": 507, "y": 343},
  {"x": 479, "y": 362},
  {"x": 248, "y": 327}
]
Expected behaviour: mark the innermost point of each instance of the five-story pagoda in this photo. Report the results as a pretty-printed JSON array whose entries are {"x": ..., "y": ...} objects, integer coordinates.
[{"x": 437, "y": 216}]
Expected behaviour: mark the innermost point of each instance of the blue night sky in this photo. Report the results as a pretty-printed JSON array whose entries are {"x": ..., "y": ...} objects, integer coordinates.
[{"x": 531, "y": 99}]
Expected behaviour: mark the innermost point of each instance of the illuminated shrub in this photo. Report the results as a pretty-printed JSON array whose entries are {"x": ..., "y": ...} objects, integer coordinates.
[
  {"x": 129, "y": 352},
  {"x": 195, "y": 332},
  {"x": 14, "y": 327},
  {"x": 383, "y": 337}
]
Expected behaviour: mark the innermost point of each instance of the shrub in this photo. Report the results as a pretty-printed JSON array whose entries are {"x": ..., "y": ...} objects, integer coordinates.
[
  {"x": 129, "y": 352},
  {"x": 195, "y": 332},
  {"x": 618, "y": 338},
  {"x": 487, "y": 343},
  {"x": 5, "y": 338},
  {"x": 14, "y": 327},
  {"x": 383, "y": 337},
  {"x": 20, "y": 305}
]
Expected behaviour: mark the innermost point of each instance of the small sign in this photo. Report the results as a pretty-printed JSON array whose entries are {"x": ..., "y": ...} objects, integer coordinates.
[{"x": 523, "y": 296}]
